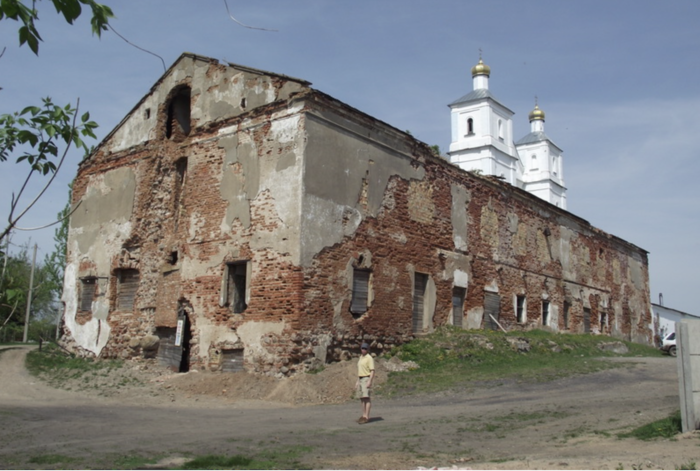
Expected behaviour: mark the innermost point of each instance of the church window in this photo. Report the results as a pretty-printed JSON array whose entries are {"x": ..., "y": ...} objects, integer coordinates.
[
  {"x": 127, "y": 284},
  {"x": 520, "y": 312},
  {"x": 420, "y": 285},
  {"x": 235, "y": 286},
  {"x": 470, "y": 127},
  {"x": 500, "y": 129},
  {"x": 177, "y": 126},
  {"x": 458, "y": 295},
  {"x": 534, "y": 162},
  {"x": 87, "y": 292},
  {"x": 545, "y": 313},
  {"x": 360, "y": 291}
]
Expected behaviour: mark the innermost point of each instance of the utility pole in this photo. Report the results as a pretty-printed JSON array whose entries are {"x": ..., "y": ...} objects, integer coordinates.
[{"x": 29, "y": 297}]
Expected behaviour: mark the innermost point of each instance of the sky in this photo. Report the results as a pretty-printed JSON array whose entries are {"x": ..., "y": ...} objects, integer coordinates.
[{"x": 619, "y": 83}]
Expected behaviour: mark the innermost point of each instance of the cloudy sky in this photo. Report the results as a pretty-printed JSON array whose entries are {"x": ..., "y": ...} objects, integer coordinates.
[{"x": 619, "y": 82}]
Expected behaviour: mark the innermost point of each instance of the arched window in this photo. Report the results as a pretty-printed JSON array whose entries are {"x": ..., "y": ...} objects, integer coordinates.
[
  {"x": 177, "y": 125},
  {"x": 533, "y": 165},
  {"x": 470, "y": 127},
  {"x": 500, "y": 129}
]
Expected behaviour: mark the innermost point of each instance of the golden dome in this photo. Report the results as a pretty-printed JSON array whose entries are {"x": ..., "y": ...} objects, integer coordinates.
[
  {"x": 481, "y": 69},
  {"x": 537, "y": 113}
]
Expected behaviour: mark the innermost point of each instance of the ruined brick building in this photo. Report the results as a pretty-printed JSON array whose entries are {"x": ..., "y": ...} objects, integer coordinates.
[{"x": 237, "y": 218}]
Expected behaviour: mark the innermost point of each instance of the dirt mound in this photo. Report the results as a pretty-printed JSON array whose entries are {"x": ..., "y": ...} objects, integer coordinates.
[{"x": 333, "y": 385}]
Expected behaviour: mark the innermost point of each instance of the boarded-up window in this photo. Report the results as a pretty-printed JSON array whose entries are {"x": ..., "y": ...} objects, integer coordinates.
[
  {"x": 232, "y": 360},
  {"x": 492, "y": 310},
  {"x": 236, "y": 284},
  {"x": 545, "y": 313},
  {"x": 520, "y": 313},
  {"x": 458, "y": 295},
  {"x": 586, "y": 319},
  {"x": 420, "y": 284},
  {"x": 127, "y": 284},
  {"x": 360, "y": 292},
  {"x": 88, "y": 287}
]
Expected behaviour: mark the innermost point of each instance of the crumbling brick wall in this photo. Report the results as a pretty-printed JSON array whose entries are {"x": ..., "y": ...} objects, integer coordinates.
[{"x": 299, "y": 190}]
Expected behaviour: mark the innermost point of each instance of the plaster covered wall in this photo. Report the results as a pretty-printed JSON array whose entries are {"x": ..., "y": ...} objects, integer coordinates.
[{"x": 99, "y": 224}]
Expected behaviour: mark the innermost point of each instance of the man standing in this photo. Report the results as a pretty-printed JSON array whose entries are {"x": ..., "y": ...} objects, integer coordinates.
[{"x": 365, "y": 373}]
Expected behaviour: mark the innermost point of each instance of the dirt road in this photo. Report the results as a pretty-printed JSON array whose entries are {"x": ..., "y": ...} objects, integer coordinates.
[{"x": 566, "y": 424}]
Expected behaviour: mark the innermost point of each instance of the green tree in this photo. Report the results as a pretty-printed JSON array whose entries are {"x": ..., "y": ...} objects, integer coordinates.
[
  {"x": 70, "y": 9},
  {"x": 14, "y": 288},
  {"x": 37, "y": 134},
  {"x": 41, "y": 136},
  {"x": 38, "y": 139},
  {"x": 55, "y": 262}
]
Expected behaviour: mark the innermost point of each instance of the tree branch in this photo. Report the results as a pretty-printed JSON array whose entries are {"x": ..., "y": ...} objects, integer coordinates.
[
  {"x": 51, "y": 224},
  {"x": 11, "y": 222}
]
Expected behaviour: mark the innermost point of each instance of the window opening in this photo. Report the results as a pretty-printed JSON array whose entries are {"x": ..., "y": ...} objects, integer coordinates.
[
  {"x": 587, "y": 320},
  {"x": 360, "y": 291},
  {"x": 127, "y": 284},
  {"x": 545, "y": 313},
  {"x": 458, "y": 296},
  {"x": 177, "y": 126},
  {"x": 520, "y": 309},
  {"x": 236, "y": 284},
  {"x": 500, "y": 129},
  {"x": 492, "y": 310},
  {"x": 420, "y": 283},
  {"x": 603, "y": 322},
  {"x": 567, "y": 308},
  {"x": 232, "y": 360},
  {"x": 88, "y": 288},
  {"x": 470, "y": 127},
  {"x": 172, "y": 258}
]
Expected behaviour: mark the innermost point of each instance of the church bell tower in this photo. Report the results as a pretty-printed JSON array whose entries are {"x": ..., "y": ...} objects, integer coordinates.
[{"x": 482, "y": 131}]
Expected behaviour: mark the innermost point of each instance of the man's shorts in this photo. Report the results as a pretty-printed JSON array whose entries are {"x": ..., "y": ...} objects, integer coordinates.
[{"x": 363, "y": 390}]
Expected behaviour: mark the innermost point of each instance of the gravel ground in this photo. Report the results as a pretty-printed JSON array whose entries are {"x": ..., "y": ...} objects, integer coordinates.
[{"x": 142, "y": 410}]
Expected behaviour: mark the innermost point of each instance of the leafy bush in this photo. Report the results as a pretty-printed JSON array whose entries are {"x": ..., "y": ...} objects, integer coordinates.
[{"x": 663, "y": 428}]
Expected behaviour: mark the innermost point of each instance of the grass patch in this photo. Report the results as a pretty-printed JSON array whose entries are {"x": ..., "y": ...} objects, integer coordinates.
[
  {"x": 280, "y": 459},
  {"x": 452, "y": 358},
  {"x": 663, "y": 428},
  {"x": 132, "y": 462},
  {"x": 501, "y": 425},
  {"x": 224, "y": 462},
  {"x": 58, "y": 366},
  {"x": 53, "y": 459}
]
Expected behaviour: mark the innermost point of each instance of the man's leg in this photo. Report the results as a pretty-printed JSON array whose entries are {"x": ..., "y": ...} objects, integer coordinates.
[{"x": 366, "y": 407}]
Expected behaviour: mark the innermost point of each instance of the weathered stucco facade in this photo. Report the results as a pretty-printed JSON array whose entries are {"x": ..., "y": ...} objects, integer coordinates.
[{"x": 241, "y": 219}]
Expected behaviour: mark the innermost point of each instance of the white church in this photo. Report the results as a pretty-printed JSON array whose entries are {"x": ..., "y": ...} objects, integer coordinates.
[{"x": 482, "y": 141}]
